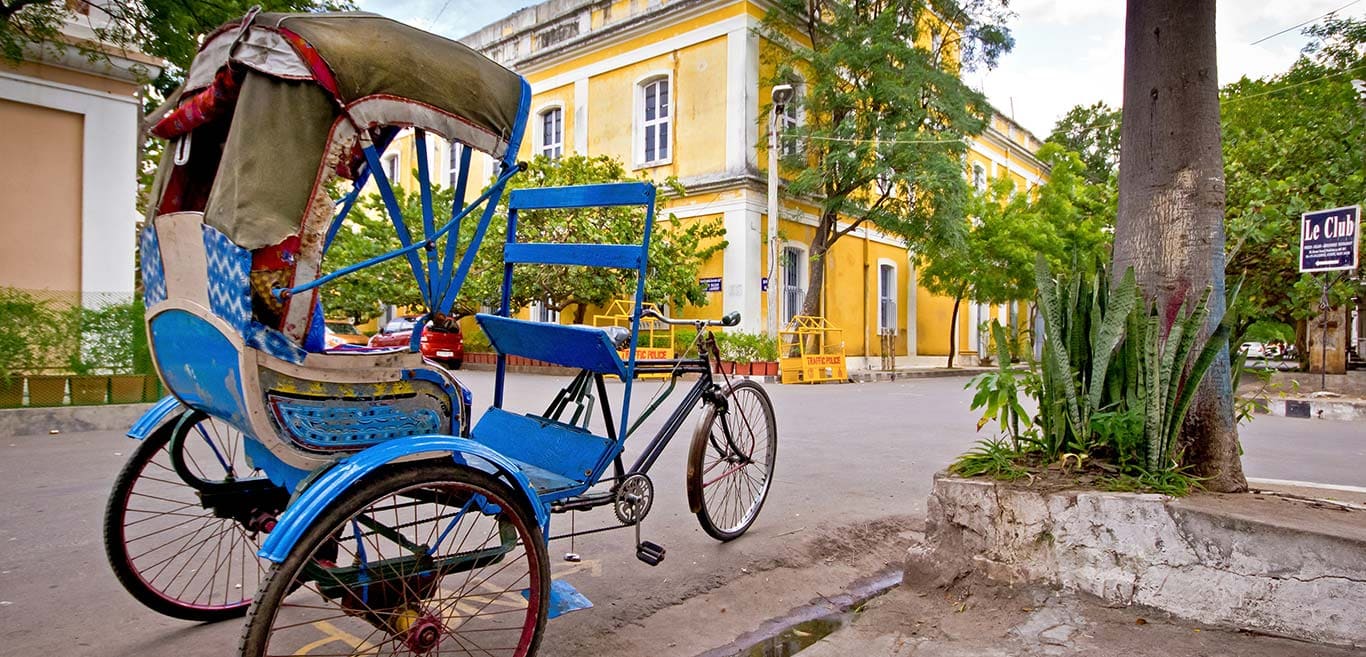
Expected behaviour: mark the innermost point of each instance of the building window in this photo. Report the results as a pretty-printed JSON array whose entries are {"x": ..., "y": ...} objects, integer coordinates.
[
  {"x": 551, "y": 144},
  {"x": 655, "y": 122},
  {"x": 979, "y": 178},
  {"x": 540, "y": 312},
  {"x": 390, "y": 165},
  {"x": 794, "y": 279},
  {"x": 453, "y": 154},
  {"x": 886, "y": 291}
]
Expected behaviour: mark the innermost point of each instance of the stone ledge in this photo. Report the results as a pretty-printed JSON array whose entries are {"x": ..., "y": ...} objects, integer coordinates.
[
  {"x": 1248, "y": 562},
  {"x": 69, "y": 419}
]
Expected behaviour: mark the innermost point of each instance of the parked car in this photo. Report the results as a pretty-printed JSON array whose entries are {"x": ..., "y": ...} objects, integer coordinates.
[
  {"x": 443, "y": 344},
  {"x": 1254, "y": 349},
  {"x": 339, "y": 333}
]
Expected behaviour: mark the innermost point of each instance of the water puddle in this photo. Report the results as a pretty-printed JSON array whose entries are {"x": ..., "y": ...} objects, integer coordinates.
[
  {"x": 804, "y": 626},
  {"x": 800, "y": 636}
]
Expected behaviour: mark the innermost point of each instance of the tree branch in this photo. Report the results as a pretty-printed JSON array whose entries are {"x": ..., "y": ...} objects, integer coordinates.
[{"x": 8, "y": 10}]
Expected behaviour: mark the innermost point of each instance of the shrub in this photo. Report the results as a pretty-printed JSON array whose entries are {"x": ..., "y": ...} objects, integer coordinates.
[
  {"x": 1112, "y": 382},
  {"x": 744, "y": 347},
  {"x": 34, "y": 335}
]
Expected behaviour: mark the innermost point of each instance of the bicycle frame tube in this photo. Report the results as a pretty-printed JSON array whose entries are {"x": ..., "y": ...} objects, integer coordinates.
[{"x": 672, "y": 425}]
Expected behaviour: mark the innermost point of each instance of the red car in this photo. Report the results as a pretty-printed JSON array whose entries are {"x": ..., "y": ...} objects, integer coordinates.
[{"x": 444, "y": 345}]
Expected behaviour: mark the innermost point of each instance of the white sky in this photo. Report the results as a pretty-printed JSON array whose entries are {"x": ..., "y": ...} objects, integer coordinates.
[{"x": 1067, "y": 52}]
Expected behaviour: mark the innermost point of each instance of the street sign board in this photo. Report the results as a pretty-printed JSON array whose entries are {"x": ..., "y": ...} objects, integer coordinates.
[
  {"x": 710, "y": 284},
  {"x": 1330, "y": 240}
]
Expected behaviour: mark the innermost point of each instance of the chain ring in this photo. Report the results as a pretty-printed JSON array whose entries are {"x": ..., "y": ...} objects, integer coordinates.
[{"x": 638, "y": 485}]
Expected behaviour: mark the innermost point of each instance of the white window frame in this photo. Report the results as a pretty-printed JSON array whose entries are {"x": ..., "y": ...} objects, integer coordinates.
[
  {"x": 390, "y": 163},
  {"x": 537, "y": 312},
  {"x": 452, "y": 163},
  {"x": 890, "y": 296},
  {"x": 640, "y": 123},
  {"x": 553, "y": 150}
]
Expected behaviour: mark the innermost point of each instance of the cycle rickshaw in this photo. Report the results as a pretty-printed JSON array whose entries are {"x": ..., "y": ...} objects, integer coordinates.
[{"x": 343, "y": 500}]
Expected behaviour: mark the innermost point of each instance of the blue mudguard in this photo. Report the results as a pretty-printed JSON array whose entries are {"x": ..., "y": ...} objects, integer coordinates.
[
  {"x": 331, "y": 485},
  {"x": 168, "y": 407}
]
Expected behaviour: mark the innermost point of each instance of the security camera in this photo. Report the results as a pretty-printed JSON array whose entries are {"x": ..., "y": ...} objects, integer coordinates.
[{"x": 782, "y": 94}]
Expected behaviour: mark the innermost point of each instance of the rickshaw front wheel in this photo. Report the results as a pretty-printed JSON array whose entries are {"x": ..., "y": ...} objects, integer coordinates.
[{"x": 424, "y": 558}]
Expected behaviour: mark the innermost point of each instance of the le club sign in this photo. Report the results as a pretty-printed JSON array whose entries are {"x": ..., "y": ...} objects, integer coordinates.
[{"x": 1330, "y": 240}]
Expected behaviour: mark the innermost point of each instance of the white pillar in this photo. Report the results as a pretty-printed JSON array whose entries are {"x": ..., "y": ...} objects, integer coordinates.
[
  {"x": 581, "y": 116},
  {"x": 740, "y": 282}
]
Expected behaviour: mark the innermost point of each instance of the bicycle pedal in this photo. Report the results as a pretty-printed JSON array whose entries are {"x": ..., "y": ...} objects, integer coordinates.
[{"x": 651, "y": 553}]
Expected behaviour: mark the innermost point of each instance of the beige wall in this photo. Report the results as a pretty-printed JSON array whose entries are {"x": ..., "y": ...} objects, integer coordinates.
[{"x": 40, "y": 197}]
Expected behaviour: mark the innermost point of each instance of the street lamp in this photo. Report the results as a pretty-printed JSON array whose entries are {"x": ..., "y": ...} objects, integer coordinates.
[{"x": 782, "y": 95}]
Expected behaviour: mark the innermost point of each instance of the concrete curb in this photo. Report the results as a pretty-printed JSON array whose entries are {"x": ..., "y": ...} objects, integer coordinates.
[
  {"x": 1245, "y": 562},
  {"x": 1318, "y": 408},
  {"x": 69, "y": 419},
  {"x": 877, "y": 376}
]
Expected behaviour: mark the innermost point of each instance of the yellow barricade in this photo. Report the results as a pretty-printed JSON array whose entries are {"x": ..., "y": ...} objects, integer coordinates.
[
  {"x": 810, "y": 350},
  {"x": 656, "y": 339}
]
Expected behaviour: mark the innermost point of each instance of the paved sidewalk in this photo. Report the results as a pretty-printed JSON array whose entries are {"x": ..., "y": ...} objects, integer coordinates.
[{"x": 981, "y": 619}]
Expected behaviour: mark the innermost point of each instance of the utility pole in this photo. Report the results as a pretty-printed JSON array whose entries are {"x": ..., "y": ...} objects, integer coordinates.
[{"x": 781, "y": 95}]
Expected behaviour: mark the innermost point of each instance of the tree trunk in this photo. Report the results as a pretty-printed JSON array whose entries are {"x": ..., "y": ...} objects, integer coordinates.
[
  {"x": 1171, "y": 200},
  {"x": 820, "y": 245},
  {"x": 953, "y": 325}
]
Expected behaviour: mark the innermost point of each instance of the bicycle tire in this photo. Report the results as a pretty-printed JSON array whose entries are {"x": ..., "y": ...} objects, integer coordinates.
[{"x": 724, "y": 518}]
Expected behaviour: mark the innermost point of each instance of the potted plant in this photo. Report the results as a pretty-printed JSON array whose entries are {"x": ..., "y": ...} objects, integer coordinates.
[
  {"x": 46, "y": 390},
  {"x": 126, "y": 388},
  {"x": 151, "y": 388},
  {"x": 11, "y": 388}
]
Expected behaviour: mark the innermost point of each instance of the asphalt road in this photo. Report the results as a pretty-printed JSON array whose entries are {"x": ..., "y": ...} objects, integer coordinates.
[{"x": 848, "y": 456}]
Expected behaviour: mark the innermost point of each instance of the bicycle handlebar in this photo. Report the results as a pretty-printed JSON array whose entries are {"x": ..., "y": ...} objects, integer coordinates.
[{"x": 730, "y": 319}]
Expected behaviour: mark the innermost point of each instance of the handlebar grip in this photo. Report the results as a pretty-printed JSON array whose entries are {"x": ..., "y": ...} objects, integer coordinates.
[{"x": 731, "y": 319}]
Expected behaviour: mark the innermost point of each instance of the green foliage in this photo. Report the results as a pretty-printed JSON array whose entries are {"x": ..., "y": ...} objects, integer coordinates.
[
  {"x": 113, "y": 340},
  {"x": 1112, "y": 387},
  {"x": 998, "y": 394},
  {"x": 1092, "y": 131},
  {"x": 744, "y": 347},
  {"x": 32, "y": 333},
  {"x": 993, "y": 458},
  {"x": 1292, "y": 144},
  {"x": 886, "y": 116},
  {"x": 477, "y": 342}
]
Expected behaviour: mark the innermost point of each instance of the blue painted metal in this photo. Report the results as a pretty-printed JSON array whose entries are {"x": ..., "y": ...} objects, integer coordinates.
[
  {"x": 620, "y": 256},
  {"x": 386, "y": 193},
  {"x": 571, "y": 345},
  {"x": 343, "y": 423},
  {"x": 280, "y": 473},
  {"x": 453, "y": 238},
  {"x": 564, "y": 598},
  {"x": 582, "y": 196},
  {"x": 333, "y": 484},
  {"x": 493, "y": 190},
  {"x": 166, "y": 407},
  {"x": 562, "y": 449},
  {"x": 415, "y": 338},
  {"x": 424, "y": 186},
  {"x": 199, "y": 364},
  {"x": 347, "y": 203}
]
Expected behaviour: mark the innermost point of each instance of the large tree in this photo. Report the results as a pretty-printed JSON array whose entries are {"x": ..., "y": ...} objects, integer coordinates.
[
  {"x": 994, "y": 262},
  {"x": 1170, "y": 227},
  {"x": 886, "y": 115}
]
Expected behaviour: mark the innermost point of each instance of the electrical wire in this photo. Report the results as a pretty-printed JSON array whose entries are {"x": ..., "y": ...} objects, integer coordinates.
[{"x": 1312, "y": 20}]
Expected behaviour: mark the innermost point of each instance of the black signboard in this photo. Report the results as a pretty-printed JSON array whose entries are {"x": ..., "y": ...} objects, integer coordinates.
[{"x": 1330, "y": 240}]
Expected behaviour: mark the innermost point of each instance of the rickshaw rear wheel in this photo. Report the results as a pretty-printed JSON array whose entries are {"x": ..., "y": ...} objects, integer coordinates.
[
  {"x": 429, "y": 558},
  {"x": 171, "y": 553},
  {"x": 728, "y": 480}
]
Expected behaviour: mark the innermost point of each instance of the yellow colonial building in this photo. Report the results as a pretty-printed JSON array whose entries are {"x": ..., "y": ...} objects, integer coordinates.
[{"x": 676, "y": 88}]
